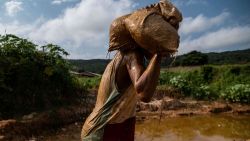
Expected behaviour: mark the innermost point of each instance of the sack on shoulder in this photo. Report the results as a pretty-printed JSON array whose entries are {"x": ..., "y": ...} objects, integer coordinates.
[
  {"x": 145, "y": 28},
  {"x": 152, "y": 32}
]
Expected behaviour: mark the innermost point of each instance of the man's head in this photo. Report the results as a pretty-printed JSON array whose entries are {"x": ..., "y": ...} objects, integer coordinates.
[{"x": 171, "y": 13}]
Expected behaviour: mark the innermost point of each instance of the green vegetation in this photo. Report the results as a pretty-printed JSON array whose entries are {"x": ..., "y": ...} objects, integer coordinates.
[
  {"x": 209, "y": 82},
  {"x": 34, "y": 78},
  {"x": 229, "y": 57},
  {"x": 94, "y": 65},
  {"x": 228, "y": 82},
  {"x": 89, "y": 83},
  {"x": 194, "y": 58}
]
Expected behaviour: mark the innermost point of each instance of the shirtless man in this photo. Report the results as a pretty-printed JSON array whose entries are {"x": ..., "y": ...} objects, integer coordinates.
[{"x": 126, "y": 79}]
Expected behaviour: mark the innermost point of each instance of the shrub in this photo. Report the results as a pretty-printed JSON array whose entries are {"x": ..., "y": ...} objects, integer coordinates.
[
  {"x": 204, "y": 92},
  {"x": 230, "y": 82},
  {"x": 32, "y": 79},
  {"x": 165, "y": 78},
  {"x": 207, "y": 73},
  {"x": 181, "y": 83},
  {"x": 237, "y": 93}
]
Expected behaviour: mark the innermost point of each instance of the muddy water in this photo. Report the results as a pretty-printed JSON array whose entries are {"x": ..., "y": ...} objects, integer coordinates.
[{"x": 195, "y": 128}]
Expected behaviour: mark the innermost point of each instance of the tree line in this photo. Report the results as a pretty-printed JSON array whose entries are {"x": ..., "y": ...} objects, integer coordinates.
[{"x": 193, "y": 58}]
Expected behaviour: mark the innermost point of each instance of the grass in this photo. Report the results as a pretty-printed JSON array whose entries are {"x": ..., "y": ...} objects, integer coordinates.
[{"x": 88, "y": 82}]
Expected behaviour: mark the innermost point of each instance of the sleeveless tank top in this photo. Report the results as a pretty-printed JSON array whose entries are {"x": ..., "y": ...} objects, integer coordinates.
[{"x": 111, "y": 106}]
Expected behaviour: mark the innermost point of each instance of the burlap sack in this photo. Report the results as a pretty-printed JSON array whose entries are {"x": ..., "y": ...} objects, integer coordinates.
[
  {"x": 146, "y": 28},
  {"x": 152, "y": 32},
  {"x": 119, "y": 36}
]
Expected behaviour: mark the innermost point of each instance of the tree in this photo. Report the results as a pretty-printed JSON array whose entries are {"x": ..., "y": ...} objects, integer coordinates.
[
  {"x": 32, "y": 79},
  {"x": 194, "y": 58}
]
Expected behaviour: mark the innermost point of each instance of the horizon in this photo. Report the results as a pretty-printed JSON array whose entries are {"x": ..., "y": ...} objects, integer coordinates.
[
  {"x": 176, "y": 55},
  {"x": 208, "y": 25}
]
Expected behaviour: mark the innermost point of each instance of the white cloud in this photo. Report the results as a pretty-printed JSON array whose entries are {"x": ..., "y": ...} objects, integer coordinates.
[
  {"x": 81, "y": 30},
  {"x": 13, "y": 6},
  {"x": 20, "y": 29},
  {"x": 201, "y": 23},
  {"x": 58, "y": 2},
  {"x": 218, "y": 40},
  {"x": 86, "y": 25},
  {"x": 211, "y": 38}
]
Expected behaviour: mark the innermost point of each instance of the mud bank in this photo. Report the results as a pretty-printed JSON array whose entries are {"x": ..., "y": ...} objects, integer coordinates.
[
  {"x": 169, "y": 107},
  {"x": 43, "y": 123},
  {"x": 39, "y": 126}
]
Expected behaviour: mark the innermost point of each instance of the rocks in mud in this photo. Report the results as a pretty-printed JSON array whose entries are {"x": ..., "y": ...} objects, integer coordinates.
[
  {"x": 242, "y": 111},
  {"x": 6, "y": 125},
  {"x": 168, "y": 91},
  {"x": 221, "y": 109},
  {"x": 173, "y": 104},
  {"x": 29, "y": 116},
  {"x": 35, "y": 123},
  {"x": 157, "y": 105},
  {"x": 152, "y": 106},
  {"x": 1, "y": 138}
]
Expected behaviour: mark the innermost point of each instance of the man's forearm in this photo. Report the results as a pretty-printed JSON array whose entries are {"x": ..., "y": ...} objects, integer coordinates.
[{"x": 147, "y": 83}]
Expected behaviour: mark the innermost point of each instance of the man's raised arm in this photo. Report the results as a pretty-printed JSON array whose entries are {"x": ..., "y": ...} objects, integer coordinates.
[{"x": 144, "y": 81}]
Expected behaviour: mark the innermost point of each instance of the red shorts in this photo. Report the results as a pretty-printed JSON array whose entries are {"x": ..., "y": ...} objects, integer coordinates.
[{"x": 124, "y": 131}]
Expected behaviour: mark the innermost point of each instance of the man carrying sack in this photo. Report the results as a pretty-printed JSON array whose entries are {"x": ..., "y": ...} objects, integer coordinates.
[{"x": 149, "y": 33}]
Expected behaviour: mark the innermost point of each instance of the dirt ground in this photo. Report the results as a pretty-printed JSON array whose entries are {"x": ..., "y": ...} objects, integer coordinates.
[{"x": 66, "y": 123}]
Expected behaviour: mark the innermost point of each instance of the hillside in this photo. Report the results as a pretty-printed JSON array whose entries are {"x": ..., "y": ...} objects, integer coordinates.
[
  {"x": 228, "y": 57},
  {"x": 94, "y": 65}
]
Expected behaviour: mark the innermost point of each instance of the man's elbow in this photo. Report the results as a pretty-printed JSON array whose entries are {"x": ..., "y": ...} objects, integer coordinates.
[{"x": 144, "y": 98}]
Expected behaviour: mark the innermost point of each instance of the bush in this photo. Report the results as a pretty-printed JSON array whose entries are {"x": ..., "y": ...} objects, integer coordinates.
[
  {"x": 194, "y": 58},
  {"x": 230, "y": 82},
  {"x": 32, "y": 79},
  {"x": 204, "y": 92},
  {"x": 181, "y": 83},
  {"x": 207, "y": 73},
  {"x": 165, "y": 77},
  {"x": 237, "y": 93}
]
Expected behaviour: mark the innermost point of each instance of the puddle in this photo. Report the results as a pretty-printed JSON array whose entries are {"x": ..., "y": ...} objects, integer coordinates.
[{"x": 195, "y": 128}]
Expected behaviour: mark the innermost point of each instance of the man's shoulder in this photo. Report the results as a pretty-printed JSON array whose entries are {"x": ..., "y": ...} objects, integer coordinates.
[{"x": 134, "y": 55}]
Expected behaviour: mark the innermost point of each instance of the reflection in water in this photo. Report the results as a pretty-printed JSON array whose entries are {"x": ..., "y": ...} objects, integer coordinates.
[{"x": 196, "y": 128}]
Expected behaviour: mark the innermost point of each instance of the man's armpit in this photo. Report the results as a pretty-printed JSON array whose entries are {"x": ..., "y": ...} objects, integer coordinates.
[{"x": 135, "y": 65}]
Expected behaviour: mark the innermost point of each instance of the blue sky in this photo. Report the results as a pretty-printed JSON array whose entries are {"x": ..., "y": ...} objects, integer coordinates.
[{"x": 81, "y": 27}]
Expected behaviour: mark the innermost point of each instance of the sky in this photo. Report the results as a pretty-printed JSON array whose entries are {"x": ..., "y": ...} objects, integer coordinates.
[{"x": 81, "y": 27}]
